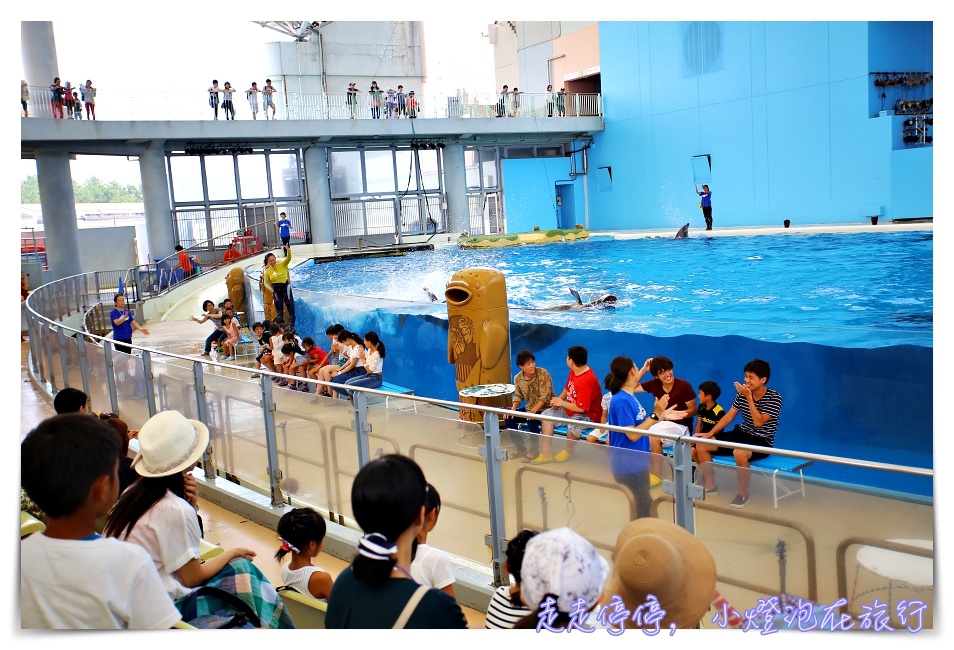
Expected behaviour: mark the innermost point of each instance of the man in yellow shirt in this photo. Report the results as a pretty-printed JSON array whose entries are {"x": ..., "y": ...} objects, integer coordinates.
[{"x": 277, "y": 280}]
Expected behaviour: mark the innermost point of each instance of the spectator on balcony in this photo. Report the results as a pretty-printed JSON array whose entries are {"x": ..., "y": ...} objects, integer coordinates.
[
  {"x": 411, "y": 105},
  {"x": 376, "y": 94},
  {"x": 77, "y": 107},
  {"x": 352, "y": 98},
  {"x": 227, "y": 106},
  {"x": 267, "y": 99},
  {"x": 214, "y": 91},
  {"x": 515, "y": 103},
  {"x": 252, "y": 95},
  {"x": 89, "y": 98},
  {"x": 25, "y": 98},
  {"x": 503, "y": 101},
  {"x": 551, "y": 100},
  {"x": 68, "y": 100},
  {"x": 561, "y": 102},
  {"x": 401, "y": 100},
  {"x": 184, "y": 263},
  {"x": 390, "y": 104},
  {"x": 56, "y": 99}
]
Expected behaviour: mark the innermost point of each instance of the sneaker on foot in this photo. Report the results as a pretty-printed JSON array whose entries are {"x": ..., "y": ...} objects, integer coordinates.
[
  {"x": 256, "y": 376},
  {"x": 739, "y": 501},
  {"x": 562, "y": 457},
  {"x": 541, "y": 459},
  {"x": 713, "y": 490},
  {"x": 205, "y": 354},
  {"x": 654, "y": 480},
  {"x": 283, "y": 384}
]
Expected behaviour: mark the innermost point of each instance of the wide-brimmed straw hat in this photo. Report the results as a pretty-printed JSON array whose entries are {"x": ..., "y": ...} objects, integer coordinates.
[
  {"x": 660, "y": 558},
  {"x": 562, "y": 563},
  {"x": 169, "y": 443}
]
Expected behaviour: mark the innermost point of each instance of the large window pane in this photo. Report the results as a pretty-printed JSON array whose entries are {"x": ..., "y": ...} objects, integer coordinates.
[
  {"x": 346, "y": 173},
  {"x": 252, "y": 176},
  {"x": 186, "y": 179},
  {"x": 406, "y": 172},
  {"x": 220, "y": 177},
  {"x": 472, "y": 167},
  {"x": 488, "y": 166},
  {"x": 428, "y": 160},
  {"x": 379, "y": 167},
  {"x": 286, "y": 175}
]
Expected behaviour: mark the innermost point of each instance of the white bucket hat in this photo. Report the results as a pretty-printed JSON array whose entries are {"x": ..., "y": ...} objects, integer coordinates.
[
  {"x": 169, "y": 443},
  {"x": 562, "y": 563}
]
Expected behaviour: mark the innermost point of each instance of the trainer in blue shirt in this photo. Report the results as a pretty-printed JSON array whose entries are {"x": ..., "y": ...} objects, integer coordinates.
[{"x": 284, "y": 229}]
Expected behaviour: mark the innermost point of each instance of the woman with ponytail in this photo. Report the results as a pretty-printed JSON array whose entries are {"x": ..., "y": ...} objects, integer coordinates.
[
  {"x": 372, "y": 355},
  {"x": 631, "y": 467},
  {"x": 377, "y": 591}
]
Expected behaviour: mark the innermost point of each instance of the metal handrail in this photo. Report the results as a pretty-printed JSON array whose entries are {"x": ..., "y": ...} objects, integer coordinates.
[{"x": 291, "y": 105}]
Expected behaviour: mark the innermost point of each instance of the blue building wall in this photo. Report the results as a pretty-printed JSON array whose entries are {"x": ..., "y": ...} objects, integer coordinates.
[{"x": 787, "y": 111}]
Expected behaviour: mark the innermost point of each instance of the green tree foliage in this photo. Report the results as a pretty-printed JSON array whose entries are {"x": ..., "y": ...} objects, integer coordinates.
[{"x": 93, "y": 190}]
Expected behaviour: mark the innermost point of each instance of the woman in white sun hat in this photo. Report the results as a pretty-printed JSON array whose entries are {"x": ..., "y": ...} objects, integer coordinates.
[{"x": 153, "y": 513}]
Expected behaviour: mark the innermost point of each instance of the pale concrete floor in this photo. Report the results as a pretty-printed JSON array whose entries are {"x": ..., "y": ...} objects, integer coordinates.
[{"x": 221, "y": 526}]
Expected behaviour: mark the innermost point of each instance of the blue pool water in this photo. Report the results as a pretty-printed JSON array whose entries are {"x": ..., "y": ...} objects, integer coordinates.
[
  {"x": 846, "y": 322},
  {"x": 838, "y": 289}
]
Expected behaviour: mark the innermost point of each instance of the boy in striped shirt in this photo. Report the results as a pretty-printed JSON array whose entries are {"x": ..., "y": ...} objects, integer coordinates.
[{"x": 760, "y": 407}]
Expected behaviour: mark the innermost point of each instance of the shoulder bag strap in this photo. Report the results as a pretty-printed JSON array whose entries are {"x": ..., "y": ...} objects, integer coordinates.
[{"x": 409, "y": 608}]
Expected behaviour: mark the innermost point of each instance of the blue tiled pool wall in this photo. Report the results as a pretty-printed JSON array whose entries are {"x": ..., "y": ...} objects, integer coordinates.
[{"x": 870, "y": 404}]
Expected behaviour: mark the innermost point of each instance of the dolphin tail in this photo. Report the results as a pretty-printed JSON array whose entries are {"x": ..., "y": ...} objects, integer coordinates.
[{"x": 576, "y": 294}]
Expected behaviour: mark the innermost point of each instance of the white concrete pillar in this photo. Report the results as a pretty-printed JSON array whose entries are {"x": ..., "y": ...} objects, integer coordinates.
[
  {"x": 455, "y": 185},
  {"x": 155, "y": 198},
  {"x": 59, "y": 214},
  {"x": 320, "y": 212},
  {"x": 38, "y": 54}
]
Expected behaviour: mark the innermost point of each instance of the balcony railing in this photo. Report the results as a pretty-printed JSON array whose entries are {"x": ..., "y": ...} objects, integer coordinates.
[{"x": 190, "y": 105}]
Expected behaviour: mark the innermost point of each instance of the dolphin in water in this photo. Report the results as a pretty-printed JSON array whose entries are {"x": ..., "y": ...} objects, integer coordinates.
[
  {"x": 430, "y": 295},
  {"x": 683, "y": 232},
  {"x": 608, "y": 300}
]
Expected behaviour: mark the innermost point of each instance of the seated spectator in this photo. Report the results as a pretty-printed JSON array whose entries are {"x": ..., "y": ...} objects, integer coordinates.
[
  {"x": 355, "y": 363},
  {"x": 213, "y": 314},
  {"x": 337, "y": 357},
  {"x": 430, "y": 566},
  {"x": 594, "y": 435},
  {"x": 154, "y": 514},
  {"x": 579, "y": 400},
  {"x": 506, "y": 607},
  {"x": 370, "y": 374},
  {"x": 302, "y": 533},
  {"x": 377, "y": 590},
  {"x": 232, "y": 336},
  {"x": 709, "y": 415},
  {"x": 562, "y": 577},
  {"x": 70, "y": 577},
  {"x": 70, "y": 400},
  {"x": 681, "y": 396},
  {"x": 277, "y": 342},
  {"x": 760, "y": 407},
  {"x": 533, "y": 387},
  {"x": 307, "y": 364},
  {"x": 260, "y": 330},
  {"x": 658, "y": 559},
  {"x": 127, "y": 475},
  {"x": 231, "y": 254}
]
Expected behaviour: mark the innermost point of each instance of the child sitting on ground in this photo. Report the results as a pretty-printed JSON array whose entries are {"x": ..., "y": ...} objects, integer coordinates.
[
  {"x": 302, "y": 533},
  {"x": 708, "y": 416},
  {"x": 505, "y": 607},
  {"x": 291, "y": 349},
  {"x": 430, "y": 566},
  {"x": 70, "y": 577}
]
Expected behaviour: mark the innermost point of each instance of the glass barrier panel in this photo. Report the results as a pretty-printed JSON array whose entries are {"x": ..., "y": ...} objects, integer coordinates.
[
  {"x": 310, "y": 433},
  {"x": 130, "y": 389},
  {"x": 174, "y": 385},
  {"x": 53, "y": 369},
  {"x": 98, "y": 387},
  {"x": 820, "y": 544},
  {"x": 71, "y": 350},
  {"x": 237, "y": 428}
]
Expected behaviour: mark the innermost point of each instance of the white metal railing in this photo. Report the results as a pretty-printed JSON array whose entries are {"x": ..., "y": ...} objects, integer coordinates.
[{"x": 118, "y": 104}]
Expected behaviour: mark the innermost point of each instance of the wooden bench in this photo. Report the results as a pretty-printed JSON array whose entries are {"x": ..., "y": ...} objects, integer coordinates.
[{"x": 772, "y": 466}]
